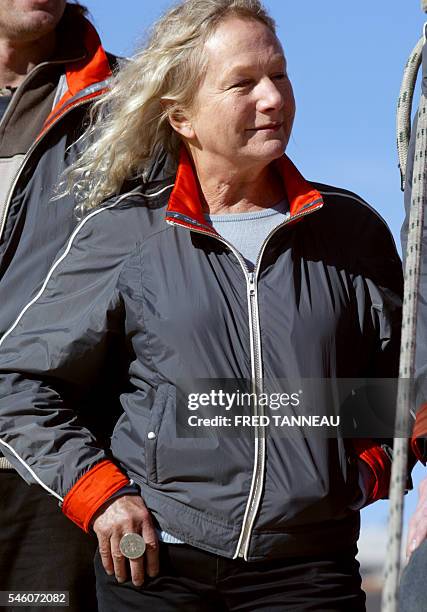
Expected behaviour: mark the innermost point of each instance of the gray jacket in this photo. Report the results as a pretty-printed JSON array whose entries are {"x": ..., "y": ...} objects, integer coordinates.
[{"x": 145, "y": 284}]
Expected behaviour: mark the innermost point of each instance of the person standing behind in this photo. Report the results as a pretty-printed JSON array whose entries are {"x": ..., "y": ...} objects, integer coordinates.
[{"x": 52, "y": 66}]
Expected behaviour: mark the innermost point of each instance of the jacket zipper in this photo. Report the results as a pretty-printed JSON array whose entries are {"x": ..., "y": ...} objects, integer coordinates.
[
  {"x": 255, "y": 493},
  {"x": 25, "y": 160},
  {"x": 257, "y": 381}
]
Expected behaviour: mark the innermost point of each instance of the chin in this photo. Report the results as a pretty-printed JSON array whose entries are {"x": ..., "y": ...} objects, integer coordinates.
[
  {"x": 38, "y": 24},
  {"x": 44, "y": 14},
  {"x": 271, "y": 151}
]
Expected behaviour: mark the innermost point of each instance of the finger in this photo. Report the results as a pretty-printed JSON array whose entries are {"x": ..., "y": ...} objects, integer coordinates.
[
  {"x": 411, "y": 543},
  {"x": 119, "y": 561},
  {"x": 423, "y": 488},
  {"x": 137, "y": 571},
  {"x": 417, "y": 533},
  {"x": 419, "y": 522},
  {"x": 151, "y": 549},
  {"x": 105, "y": 554},
  {"x": 420, "y": 533},
  {"x": 411, "y": 546}
]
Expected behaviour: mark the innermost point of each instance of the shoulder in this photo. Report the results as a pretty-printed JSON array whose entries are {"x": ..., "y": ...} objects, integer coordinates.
[
  {"x": 360, "y": 233},
  {"x": 353, "y": 214},
  {"x": 355, "y": 205},
  {"x": 125, "y": 220}
]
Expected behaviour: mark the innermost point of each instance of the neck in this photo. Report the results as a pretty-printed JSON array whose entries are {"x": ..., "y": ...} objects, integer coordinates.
[
  {"x": 225, "y": 188},
  {"x": 18, "y": 58}
]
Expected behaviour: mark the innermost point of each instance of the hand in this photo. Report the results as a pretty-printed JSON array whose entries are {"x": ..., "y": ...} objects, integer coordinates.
[
  {"x": 418, "y": 524},
  {"x": 126, "y": 514}
]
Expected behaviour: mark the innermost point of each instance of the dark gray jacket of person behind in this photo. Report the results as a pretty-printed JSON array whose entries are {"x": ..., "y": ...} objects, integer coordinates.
[{"x": 52, "y": 104}]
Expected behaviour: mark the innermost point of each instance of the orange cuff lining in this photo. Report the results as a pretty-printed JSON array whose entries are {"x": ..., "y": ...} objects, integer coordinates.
[
  {"x": 91, "y": 491},
  {"x": 380, "y": 465}
]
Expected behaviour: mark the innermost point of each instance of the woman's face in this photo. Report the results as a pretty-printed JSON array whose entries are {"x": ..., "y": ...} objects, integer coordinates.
[{"x": 244, "y": 109}]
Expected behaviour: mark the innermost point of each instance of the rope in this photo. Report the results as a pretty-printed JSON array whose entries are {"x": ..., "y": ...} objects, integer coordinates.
[
  {"x": 404, "y": 106},
  {"x": 407, "y": 363}
]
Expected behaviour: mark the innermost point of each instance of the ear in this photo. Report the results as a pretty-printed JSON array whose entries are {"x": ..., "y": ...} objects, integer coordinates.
[{"x": 178, "y": 119}]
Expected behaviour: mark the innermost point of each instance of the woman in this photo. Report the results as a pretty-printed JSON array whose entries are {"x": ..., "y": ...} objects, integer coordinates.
[{"x": 210, "y": 258}]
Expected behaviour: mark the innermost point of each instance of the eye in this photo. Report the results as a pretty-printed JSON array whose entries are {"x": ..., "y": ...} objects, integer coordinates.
[
  {"x": 243, "y": 83},
  {"x": 279, "y": 76}
]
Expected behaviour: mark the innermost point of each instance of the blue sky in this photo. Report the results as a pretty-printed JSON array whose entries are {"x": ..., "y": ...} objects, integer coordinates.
[{"x": 346, "y": 61}]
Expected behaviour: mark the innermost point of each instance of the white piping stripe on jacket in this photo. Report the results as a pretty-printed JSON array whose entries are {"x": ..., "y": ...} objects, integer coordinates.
[
  {"x": 67, "y": 250},
  {"x": 40, "y": 293},
  {"x": 33, "y": 474},
  {"x": 152, "y": 195}
]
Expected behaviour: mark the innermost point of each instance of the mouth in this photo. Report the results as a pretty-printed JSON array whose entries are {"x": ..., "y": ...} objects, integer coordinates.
[{"x": 268, "y": 127}]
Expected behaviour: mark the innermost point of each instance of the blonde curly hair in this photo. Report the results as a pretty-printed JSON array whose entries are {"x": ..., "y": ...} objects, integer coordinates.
[{"x": 129, "y": 123}]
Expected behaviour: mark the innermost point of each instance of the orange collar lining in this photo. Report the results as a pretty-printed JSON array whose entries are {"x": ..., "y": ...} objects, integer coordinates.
[
  {"x": 185, "y": 201},
  {"x": 93, "y": 68}
]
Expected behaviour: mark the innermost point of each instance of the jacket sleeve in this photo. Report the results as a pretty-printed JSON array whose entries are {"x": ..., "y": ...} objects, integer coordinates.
[
  {"x": 384, "y": 316},
  {"x": 59, "y": 343},
  {"x": 380, "y": 312}
]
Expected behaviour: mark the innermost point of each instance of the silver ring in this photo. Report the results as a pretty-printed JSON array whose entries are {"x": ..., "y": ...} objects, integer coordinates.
[{"x": 132, "y": 546}]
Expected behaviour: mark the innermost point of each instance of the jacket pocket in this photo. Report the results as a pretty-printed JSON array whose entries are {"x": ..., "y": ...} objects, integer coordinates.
[
  {"x": 186, "y": 463},
  {"x": 163, "y": 394}
]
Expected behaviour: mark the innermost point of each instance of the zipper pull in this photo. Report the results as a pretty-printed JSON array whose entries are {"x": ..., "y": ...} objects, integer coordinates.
[{"x": 251, "y": 283}]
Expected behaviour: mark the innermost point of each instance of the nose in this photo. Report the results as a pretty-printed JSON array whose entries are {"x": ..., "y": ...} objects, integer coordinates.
[{"x": 270, "y": 95}]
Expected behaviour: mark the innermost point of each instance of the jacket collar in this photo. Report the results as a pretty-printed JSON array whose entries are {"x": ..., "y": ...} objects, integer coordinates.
[
  {"x": 185, "y": 208},
  {"x": 86, "y": 76}
]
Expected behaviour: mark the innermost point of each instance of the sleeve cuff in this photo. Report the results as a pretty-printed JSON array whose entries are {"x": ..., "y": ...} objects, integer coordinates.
[
  {"x": 377, "y": 479},
  {"x": 129, "y": 489},
  {"x": 91, "y": 491}
]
